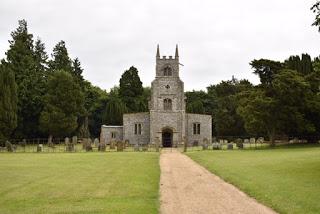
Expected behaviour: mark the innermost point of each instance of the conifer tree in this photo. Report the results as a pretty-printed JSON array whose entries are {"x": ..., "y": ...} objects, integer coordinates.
[
  {"x": 8, "y": 101},
  {"x": 130, "y": 88},
  {"x": 63, "y": 105},
  {"x": 23, "y": 61}
]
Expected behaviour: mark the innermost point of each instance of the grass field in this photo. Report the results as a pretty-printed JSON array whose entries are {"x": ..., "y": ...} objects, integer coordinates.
[
  {"x": 286, "y": 179},
  {"x": 79, "y": 183}
]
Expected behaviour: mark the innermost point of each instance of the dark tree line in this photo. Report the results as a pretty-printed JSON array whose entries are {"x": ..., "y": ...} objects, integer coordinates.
[
  {"x": 43, "y": 96},
  {"x": 285, "y": 103}
]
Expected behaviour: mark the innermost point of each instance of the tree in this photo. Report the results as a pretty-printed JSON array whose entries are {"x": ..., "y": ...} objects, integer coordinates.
[
  {"x": 293, "y": 94},
  {"x": 266, "y": 69},
  {"x": 130, "y": 88},
  {"x": 259, "y": 114},
  {"x": 316, "y": 9},
  {"x": 226, "y": 120},
  {"x": 8, "y": 101},
  {"x": 303, "y": 65},
  {"x": 60, "y": 58},
  {"x": 95, "y": 104},
  {"x": 115, "y": 109},
  {"x": 77, "y": 70},
  {"x": 63, "y": 104},
  {"x": 25, "y": 61}
]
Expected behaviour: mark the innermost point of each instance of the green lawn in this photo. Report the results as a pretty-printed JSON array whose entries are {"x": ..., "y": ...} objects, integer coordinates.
[
  {"x": 286, "y": 179},
  {"x": 79, "y": 183}
]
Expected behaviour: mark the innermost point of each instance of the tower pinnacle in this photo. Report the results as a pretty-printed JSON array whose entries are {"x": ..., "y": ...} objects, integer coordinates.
[
  {"x": 177, "y": 53},
  {"x": 158, "y": 52}
]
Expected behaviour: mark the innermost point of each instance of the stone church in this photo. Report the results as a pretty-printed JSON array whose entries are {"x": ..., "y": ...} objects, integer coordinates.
[{"x": 167, "y": 119}]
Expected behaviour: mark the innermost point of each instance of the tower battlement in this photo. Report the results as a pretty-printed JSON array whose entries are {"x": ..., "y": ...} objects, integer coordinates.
[{"x": 176, "y": 56}]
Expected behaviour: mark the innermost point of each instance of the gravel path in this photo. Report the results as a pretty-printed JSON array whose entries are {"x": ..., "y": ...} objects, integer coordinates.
[{"x": 186, "y": 187}]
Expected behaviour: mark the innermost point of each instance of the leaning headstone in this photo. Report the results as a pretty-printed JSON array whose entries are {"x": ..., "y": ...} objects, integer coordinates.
[
  {"x": 260, "y": 140},
  {"x": 230, "y": 146}
]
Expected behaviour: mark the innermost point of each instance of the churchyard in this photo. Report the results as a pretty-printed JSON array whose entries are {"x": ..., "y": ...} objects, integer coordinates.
[
  {"x": 79, "y": 183},
  {"x": 285, "y": 178}
]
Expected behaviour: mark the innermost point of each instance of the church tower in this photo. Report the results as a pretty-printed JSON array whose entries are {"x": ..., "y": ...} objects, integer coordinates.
[{"x": 167, "y": 104}]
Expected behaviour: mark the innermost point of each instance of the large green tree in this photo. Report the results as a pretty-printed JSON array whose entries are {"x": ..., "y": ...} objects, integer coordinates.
[
  {"x": 26, "y": 62},
  {"x": 63, "y": 104},
  {"x": 130, "y": 89},
  {"x": 8, "y": 101}
]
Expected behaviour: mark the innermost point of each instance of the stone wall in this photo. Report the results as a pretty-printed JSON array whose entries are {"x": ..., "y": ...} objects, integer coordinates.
[
  {"x": 205, "y": 127},
  {"x": 129, "y": 121},
  {"x": 106, "y": 133},
  {"x": 174, "y": 121}
]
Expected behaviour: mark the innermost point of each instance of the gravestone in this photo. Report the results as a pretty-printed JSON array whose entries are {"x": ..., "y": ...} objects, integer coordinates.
[
  {"x": 102, "y": 147},
  {"x": 74, "y": 140},
  {"x": 40, "y": 148},
  {"x": 9, "y": 146},
  {"x": 185, "y": 144},
  {"x": 69, "y": 146},
  {"x": 157, "y": 144},
  {"x": 230, "y": 146},
  {"x": 239, "y": 143},
  {"x": 136, "y": 147},
  {"x": 96, "y": 142},
  {"x": 204, "y": 144},
  {"x": 112, "y": 144},
  {"x": 120, "y": 145},
  {"x": 252, "y": 140},
  {"x": 216, "y": 146},
  {"x": 87, "y": 144},
  {"x": 144, "y": 147},
  {"x": 246, "y": 141}
]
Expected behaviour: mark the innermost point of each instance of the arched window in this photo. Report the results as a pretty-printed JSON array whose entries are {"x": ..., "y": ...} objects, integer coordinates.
[
  {"x": 167, "y": 71},
  {"x": 167, "y": 104}
]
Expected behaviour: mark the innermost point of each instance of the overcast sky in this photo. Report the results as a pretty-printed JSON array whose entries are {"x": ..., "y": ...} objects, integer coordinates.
[{"x": 216, "y": 38}]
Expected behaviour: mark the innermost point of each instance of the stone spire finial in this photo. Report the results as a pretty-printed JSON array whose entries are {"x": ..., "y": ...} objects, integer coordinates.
[
  {"x": 158, "y": 52},
  {"x": 177, "y": 53}
]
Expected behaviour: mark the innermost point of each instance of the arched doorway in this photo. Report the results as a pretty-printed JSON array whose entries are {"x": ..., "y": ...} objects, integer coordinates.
[{"x": 167, "y": 137}]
